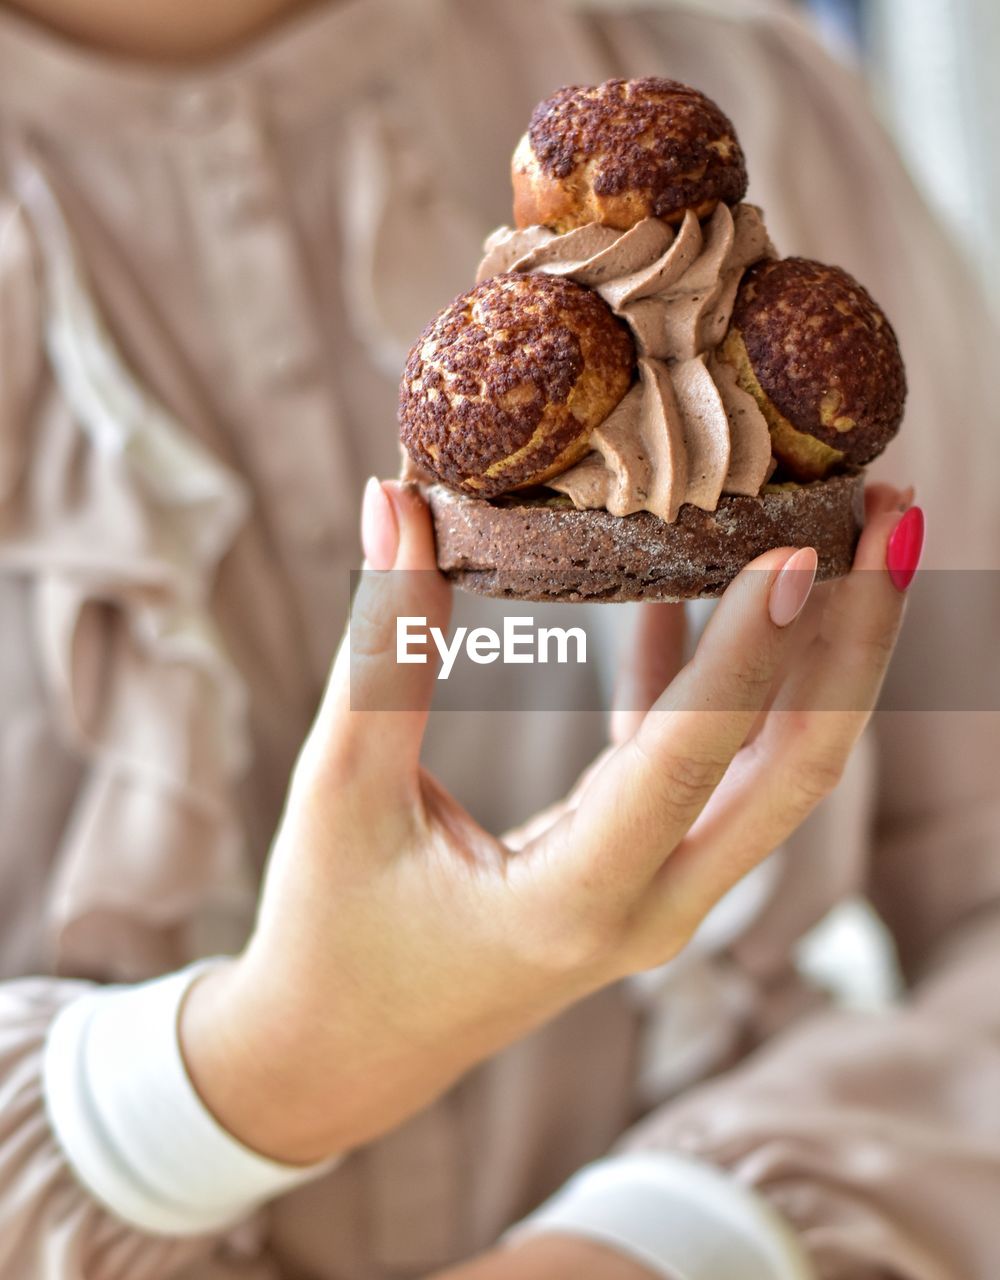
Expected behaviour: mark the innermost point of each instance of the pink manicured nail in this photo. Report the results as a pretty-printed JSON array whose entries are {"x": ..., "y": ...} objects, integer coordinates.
[
  {"x": 791, "y": 587},
  {"x": 902, "y": 555},
  {"x": 379, "y": 527}
]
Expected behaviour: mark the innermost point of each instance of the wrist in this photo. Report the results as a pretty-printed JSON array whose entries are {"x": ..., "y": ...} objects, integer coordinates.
[
  {"x": 567, "y": 1257},
  {"x": 130, "y": 1123},
  {"x": 243, "y": 1065},
  {"x": 289, "y": 1078}
]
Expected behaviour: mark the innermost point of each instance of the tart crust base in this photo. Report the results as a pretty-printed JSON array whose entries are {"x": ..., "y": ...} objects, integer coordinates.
[{"x": 537, "y": 546}]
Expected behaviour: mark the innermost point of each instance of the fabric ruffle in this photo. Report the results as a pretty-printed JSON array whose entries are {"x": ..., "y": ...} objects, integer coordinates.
[
  {"x": 20, "y": 355},
  {"x": 407, "y": 242},
  {"x": 120, "y": 519}
]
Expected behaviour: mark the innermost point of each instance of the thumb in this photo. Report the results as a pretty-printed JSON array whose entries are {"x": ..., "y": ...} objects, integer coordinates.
[{"x": 371, "y": 722}]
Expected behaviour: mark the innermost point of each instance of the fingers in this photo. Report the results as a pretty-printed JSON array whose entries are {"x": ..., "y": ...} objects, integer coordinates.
[
  {"x": 886, "y": 497},
  {"x": 657, "y": 656},
  {"x": 844, "y": 668},
  {"x": 371, "y": 723},
  {"x": 642, "y": 802},
  {"x": 879, "y": 498},
  {"x": 800, "y": 752}
]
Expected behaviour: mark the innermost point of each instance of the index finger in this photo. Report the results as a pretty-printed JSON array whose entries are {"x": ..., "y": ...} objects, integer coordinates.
[
  {"x": 803, "y": 745},
  {"x": 641, "y": 803}
]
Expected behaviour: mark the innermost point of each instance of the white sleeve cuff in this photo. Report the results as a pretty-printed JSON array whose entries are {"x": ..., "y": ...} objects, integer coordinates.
[
  {"x": 680, "y": 1218},
  {"x": 131, "y": 1124}
]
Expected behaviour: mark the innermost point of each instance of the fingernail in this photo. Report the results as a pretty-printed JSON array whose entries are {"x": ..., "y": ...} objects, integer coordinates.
[
  {"x": 902, "y": 555},
  {"x": 906, "y": 498},
  {"x": 791, "y": 587},
  {"x": 379, "y": 527}
]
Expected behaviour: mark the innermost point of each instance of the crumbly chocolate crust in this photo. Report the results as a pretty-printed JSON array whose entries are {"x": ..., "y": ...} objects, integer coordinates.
[
  {"x": 824, "y": 353},
  {"x": 540, "y": 547},
  {"x": 504, "y": 387},
  {"x": 651, "y": 135}
]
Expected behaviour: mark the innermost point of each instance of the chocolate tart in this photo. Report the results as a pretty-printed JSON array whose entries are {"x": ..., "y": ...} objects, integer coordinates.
[
  {"x": 540, "y": 547},
  {"x": 640, "y": 396}
]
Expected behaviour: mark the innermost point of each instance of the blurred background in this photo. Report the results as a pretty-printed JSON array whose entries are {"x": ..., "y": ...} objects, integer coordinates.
[{"x": 932, "y": 67}]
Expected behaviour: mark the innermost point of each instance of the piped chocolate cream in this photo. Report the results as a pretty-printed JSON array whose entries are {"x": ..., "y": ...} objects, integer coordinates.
[{"x": 686, "y": 431}]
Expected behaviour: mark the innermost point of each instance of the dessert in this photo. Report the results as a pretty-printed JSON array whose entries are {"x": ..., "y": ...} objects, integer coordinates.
[
  {"x": 622, "y": 151},
  {"x": 507, "y": 385},
  {"x": 639, "y": 396},
  {"x": 821, "y": 360}
]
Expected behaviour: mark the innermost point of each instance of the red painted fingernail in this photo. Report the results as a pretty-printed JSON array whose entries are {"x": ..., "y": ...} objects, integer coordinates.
[
  {"x": 379, "y": 527},
  {"x": 906, "y": 541}
]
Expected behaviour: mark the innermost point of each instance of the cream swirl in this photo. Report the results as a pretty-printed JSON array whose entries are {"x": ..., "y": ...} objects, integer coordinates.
[{"x": 686, "y": 432}]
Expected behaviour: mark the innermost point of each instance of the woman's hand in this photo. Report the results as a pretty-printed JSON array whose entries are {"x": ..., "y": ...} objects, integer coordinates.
[
  {"x": 398, "y": 943},
  {"x": 551, "y": 1257}
]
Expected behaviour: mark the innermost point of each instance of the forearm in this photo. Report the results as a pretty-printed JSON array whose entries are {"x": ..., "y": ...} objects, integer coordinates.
[
  {"x": 841, "y": 1149},
  {"x": 877, "y": 1137},
  {"x": 552, "y": 1257},
  {"x": 286, "y": 1089}
]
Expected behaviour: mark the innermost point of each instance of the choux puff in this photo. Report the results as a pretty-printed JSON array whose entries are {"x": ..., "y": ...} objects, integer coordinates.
[
  {"x": 504, "y": 387},
  {"x": 625, "y": 150},
  {"x": 822, "y": 361}
]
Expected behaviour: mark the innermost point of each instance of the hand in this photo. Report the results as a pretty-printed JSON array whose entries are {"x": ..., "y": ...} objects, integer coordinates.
[
  {"x": 398, "y": 943},
  {"x": 551, "y": 1257}
]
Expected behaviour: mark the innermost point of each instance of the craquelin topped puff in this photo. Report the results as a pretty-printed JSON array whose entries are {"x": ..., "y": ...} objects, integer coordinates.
[{"x": 639, "y": 396}]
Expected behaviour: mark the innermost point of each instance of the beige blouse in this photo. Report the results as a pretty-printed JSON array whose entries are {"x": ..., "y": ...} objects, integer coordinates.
[{"x": 207, "y": 282}]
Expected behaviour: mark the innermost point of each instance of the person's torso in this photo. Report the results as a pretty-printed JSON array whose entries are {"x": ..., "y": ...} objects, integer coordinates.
[{"x": 264, "y": 238}]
